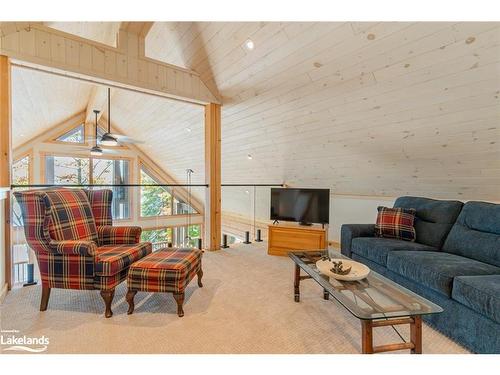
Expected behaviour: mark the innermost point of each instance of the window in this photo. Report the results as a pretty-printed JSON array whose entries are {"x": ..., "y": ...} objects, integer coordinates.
[
  {"x": 67, "y": 170},
  {"x": 185, "y": 237},
  {"x": 181, "y": 207},
  {"x": 77, "y": 171},
  {"x": 20, "y": 176},
  {"x": 159, "y": 237},
  {"x": 178, "y": 236},
  {"x": 159, "y": 200},
  {"x": 21, "y": 171},
  {"x": 155, "y": 200},
  {"x": 75, "y": 135},
  {"x": 115, "y": 172}
]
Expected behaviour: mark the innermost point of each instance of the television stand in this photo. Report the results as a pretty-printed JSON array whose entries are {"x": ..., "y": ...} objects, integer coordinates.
[{"x": 285, "y": 238}]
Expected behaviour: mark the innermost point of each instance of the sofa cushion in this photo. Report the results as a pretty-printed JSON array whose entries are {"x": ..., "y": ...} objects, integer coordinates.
[
  {"x": 112, "y": 259},
  {"x": 476, "y": 233},
  {"x": 71, "y": 216},
  {"x": 376, "y": 249},
  {"x": 395, "y": 223},
  {"x": 436, "y": 269},
  {"x": 480, "y": 293},
  {"x": 434, "y": 218}
]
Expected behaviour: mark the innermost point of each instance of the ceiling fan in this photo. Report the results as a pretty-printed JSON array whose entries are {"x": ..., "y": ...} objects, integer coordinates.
[
  {"x": 96, "y": 150},
  {"x": 111, "y": 139}
]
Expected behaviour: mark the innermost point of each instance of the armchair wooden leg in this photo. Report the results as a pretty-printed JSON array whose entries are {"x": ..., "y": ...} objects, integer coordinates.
[
  {"x": 130, "y": 299},
  {"x": 107, "y": 296},
  {"x": 200, "y": 275},
  {"x": 179, "y": 298},
  {"x": 45, "y": 298}
]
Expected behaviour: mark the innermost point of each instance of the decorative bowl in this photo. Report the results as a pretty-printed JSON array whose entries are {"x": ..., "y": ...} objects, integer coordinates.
[{"x": 358, "y": 270}]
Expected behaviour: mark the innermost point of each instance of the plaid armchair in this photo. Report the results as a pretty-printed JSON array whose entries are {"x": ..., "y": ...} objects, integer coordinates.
[{"x": 71, "y": 233}]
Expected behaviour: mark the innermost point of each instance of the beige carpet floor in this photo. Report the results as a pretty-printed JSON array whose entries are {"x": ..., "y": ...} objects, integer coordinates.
[{"x": 245, "y": 306}]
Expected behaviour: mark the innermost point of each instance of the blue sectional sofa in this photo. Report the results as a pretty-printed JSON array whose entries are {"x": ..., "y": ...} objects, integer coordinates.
[{"x": 454, "y": 262}]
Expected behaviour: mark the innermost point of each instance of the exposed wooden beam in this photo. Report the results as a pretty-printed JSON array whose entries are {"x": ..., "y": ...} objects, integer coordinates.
[
  {"x": 139, "y": 28},
  {"x": 6, "y": 154},
  {"x": 213, "y": 176},
  {"x": 125, "y": 66}
]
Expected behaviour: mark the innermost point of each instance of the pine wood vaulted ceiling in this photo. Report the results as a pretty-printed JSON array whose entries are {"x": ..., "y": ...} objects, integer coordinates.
[{"x": 361, "y": 108}]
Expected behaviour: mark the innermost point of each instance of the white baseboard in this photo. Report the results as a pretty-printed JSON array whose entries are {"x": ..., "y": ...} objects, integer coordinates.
[{"x": 3, "y": 293}]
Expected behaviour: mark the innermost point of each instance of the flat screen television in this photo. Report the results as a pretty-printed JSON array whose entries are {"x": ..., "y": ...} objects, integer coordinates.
[{"x": 305, "y": 206}]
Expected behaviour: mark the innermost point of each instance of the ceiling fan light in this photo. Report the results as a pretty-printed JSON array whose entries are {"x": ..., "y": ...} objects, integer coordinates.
[
  {"x": 96, "y": 151},
  {"x": 108, "y": 140}
]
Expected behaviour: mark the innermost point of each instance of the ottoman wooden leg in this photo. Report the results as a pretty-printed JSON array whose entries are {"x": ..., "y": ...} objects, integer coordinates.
[
  {"x": 179, "y": 298},
  {"x": 130, "y": 299},
  {"x": 107, "y": 296},
  {"x": 200, "y": 275}
]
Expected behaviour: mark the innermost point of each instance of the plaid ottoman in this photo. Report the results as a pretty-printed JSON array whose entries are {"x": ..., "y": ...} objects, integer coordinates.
[{"x": 165, "y": 270}]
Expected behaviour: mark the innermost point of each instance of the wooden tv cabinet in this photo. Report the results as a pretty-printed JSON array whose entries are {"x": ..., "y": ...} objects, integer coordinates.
[{"x": 284, "y": 238}]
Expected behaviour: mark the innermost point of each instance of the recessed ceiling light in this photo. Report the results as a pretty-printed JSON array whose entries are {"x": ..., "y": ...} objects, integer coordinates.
[
  {"x": 247, "y": 192},
  {"x": 188, "y": 130},
  {"x": 22, "y": 135},
  {"x": 249, "y": 157},
  {"x": 249, "y": 44}
]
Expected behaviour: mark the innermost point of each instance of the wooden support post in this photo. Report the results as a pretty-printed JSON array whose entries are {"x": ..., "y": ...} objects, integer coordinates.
[
  {"x": 5, "y": 154},
  {"x": 213, "y": 176}
]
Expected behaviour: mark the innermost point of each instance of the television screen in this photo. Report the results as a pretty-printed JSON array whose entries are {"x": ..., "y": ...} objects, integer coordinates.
[{"x": 305, "y": 206}]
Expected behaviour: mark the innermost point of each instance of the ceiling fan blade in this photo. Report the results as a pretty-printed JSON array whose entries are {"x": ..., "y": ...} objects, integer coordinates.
[
  {"x": 125, "y": 139},
  {"x": 109, "y": 151}
]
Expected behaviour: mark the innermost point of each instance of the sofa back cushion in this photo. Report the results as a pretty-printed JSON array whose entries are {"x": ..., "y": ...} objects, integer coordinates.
[
  {"x": 476, "y": 233},
  {"x": 434, "y": 218},
  {"x": 70, "y": 215}
]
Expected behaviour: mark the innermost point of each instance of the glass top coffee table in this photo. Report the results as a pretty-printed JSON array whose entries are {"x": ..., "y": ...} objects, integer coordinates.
[{"x": 375, "y": 300}]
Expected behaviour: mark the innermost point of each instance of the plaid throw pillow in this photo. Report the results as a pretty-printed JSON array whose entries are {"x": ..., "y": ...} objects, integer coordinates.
[{"x": 395, "y": 223}]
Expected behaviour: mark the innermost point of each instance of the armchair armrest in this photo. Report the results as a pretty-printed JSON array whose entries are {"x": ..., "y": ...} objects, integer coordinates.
[
  {"x": 350, "y": 231},
  {"x": 83, "y": 248},
  {"x": 109, "y": 235}
]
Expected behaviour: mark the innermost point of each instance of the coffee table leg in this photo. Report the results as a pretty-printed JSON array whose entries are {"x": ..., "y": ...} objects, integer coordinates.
[
  {"x": 297, "y": 283},
  {"x": 416, "y": 335},
  {"x": 179, "y": 298},
  {"x": 130, "y": 299},
  {"x": 326, "y": 295},
  {"x": 366, "y": 337}
]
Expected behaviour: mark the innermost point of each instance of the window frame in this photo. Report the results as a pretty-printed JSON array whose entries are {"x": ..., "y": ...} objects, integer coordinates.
[
  {"x": 43, "y": 175},
  {"x": 141, "y": 165}
]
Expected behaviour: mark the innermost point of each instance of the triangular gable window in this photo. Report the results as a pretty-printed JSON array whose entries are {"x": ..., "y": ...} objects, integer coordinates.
[
  {"x": 159, "y": 200},
  {"x": 75, "y": 135}
]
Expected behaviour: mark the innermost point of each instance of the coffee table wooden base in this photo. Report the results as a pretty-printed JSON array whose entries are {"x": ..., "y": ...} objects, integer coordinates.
[
  {"x": 415, "y": 344},
  {"x": 367, "y": 347}
]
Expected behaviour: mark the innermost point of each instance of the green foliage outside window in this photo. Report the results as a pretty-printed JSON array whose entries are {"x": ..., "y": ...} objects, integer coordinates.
[
  {"x": 157, "y": 235},
  {"x": 155, "y": 200}
]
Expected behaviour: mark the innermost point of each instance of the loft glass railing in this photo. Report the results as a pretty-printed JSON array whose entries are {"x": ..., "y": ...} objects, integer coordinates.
[
  {"x": 170, "y": 215},
  {"x": 246, "y": 212}
]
